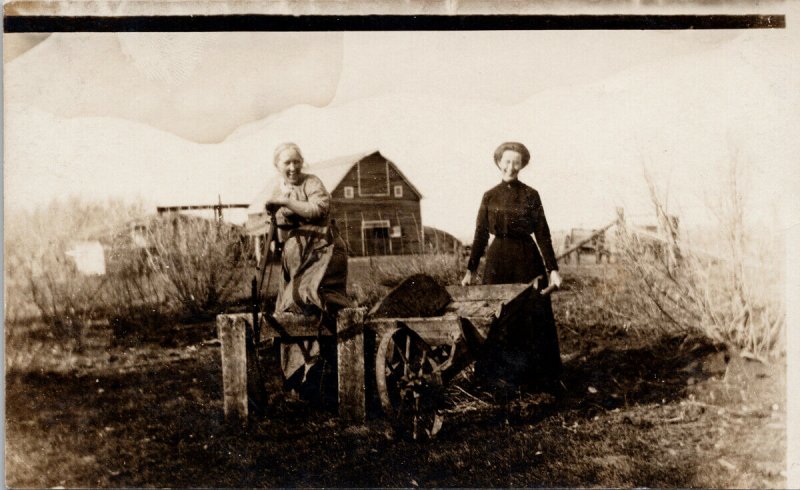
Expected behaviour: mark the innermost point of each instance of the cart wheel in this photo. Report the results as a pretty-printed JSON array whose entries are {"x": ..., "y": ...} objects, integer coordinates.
[{"x": 408, "y": 377}]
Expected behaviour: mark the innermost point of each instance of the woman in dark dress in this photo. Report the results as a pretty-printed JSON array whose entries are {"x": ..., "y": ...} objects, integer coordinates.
[{"x": 512, "y": 212}]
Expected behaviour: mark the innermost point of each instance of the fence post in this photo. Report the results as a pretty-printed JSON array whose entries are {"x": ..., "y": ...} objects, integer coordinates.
[
  {"x": 350, "y": 355},
  {"x": 231, "y": 333}
]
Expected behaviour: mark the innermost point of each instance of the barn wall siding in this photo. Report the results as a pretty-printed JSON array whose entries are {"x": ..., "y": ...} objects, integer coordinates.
[
  {"x": 396, "y": 179},
  {"x": 375, "y": 200},
  {"x": 350, "y": 215},
  {"x": 373, "y": 177}
]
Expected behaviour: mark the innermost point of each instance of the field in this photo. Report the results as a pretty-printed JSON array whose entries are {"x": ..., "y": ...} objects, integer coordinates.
[{"x": 642, "y": 408}]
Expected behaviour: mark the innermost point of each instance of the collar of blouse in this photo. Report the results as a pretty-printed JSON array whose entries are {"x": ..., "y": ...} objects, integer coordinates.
[{"x": 285, "y": 186}]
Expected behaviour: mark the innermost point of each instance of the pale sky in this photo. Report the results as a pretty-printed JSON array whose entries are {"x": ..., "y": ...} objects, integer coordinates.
[{"x": 182, "y": 83}]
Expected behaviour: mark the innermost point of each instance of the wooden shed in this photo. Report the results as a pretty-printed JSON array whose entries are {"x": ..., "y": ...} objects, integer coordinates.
[{"x": 376, "y": 208}]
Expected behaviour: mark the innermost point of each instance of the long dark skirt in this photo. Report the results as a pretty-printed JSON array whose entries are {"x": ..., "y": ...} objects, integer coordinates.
[
  {"x": 525, "y": 352},
  {"x": 313, "y": 283}
]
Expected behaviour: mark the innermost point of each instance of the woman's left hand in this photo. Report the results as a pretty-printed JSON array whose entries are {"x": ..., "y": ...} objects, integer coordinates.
[{"x": 555, "y": 279}]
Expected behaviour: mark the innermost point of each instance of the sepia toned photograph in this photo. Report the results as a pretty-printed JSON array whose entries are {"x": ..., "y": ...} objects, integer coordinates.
[{"x": 436, "y": 244}]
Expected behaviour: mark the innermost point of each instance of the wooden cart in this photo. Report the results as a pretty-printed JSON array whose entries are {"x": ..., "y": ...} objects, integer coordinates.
[{"x": 412, "y": 344}]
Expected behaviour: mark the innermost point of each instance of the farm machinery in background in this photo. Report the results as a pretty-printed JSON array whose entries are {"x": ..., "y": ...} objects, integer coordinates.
[
  {"x": 656, "y": 241},
  {"x": 582, "y": 241}
]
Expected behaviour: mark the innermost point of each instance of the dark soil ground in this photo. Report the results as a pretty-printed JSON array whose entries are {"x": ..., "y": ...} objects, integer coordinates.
[{"x": 655, "y": 411}]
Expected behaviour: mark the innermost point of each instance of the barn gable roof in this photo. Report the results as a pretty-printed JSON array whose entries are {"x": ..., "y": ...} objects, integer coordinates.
[
  {"x": 333, "y": 171},
  {"x": 402, "y": 176},
  {"x": 330, "y": 172}
]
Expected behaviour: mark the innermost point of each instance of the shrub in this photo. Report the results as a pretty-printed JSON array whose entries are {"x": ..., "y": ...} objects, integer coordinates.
[
  {"x": 203, "y": 263},
  {"x": 41, "y": 279},
  {"x": 732, "y": 295},
  {"x": 135, "y": 297}
]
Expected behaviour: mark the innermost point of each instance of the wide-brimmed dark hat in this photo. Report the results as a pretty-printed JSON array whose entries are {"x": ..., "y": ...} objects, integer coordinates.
[{"x": 512, "y": 146}]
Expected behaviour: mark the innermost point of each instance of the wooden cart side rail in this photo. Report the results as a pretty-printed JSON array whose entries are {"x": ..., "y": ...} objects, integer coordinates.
[
  {"x": 287, "y": 325},
  {"x": 437, "y": 331},
  {"x": 485, "y": 292}
]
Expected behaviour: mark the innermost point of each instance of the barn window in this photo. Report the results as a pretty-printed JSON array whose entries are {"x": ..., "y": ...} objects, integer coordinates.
[
  {"x": 397, "y": 232},
  {"x": 348, "y": 192},
  {"x": 398, "y": 191}
]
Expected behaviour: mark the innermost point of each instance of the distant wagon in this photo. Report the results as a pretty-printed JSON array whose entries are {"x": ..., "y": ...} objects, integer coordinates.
[
  {"x": 586, "y": 242},
  {"x": 375, "y": 206}
]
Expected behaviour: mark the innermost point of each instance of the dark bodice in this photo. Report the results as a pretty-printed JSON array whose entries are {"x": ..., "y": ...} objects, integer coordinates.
[{"x": 512, "y": 210}]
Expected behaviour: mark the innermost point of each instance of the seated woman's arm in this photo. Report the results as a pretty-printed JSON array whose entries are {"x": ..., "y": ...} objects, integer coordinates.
[{"x": 317, "y": 205}]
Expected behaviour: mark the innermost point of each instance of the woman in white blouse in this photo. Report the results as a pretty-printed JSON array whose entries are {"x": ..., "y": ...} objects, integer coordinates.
[
  {"x": 314, "y": 255},
  {"x": 313, "y": 278}
]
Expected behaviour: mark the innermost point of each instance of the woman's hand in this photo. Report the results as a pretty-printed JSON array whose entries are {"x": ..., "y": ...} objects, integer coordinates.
[
  {"x": 281, "y": 208},
  {"x": 276, "y": 203},
  {"x": 555, "y": 279},
  {"x": 467, "y": 280}
]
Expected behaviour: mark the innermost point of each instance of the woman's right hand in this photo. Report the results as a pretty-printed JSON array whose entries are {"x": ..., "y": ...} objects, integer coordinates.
[
  {"x": 467, "y": 280},
  {"x": 276, "y": 203}
]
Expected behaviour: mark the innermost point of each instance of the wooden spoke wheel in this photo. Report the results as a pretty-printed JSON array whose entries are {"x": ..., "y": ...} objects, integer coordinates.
[{"x": 409, "y": 381}]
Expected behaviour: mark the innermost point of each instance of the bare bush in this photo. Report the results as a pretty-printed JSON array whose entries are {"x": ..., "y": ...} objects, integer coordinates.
[
  {"x": 41, "y": 279},
  {"x": 202, "y": 262},
  {"x": 732, "y": 295},
  {"x": 135, "y": 297}
]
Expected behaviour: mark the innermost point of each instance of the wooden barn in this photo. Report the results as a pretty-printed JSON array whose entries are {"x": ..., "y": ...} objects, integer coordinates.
[{"x": 376, "y": 208}]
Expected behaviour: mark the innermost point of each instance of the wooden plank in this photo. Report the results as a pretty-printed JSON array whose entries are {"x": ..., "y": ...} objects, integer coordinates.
[
  {"x": 231, "y": 334},
  {"x": 417, "y": 296},
  {"x": 165, "y": 209},
  {"x": 442, "y": 330},
  {"x": 288, "y": 325},
  {"x": 350, "y": 355},
  {"x": 473, "y": 336},
  {"x": 474, "y": 308},
  {"x": 485, "y": 292}
]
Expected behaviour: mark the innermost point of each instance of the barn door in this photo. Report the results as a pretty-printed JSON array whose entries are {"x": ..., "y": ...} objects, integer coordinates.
[
  {"x": 375, "y": 235},
  {"x": 379, "y": 242}
]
